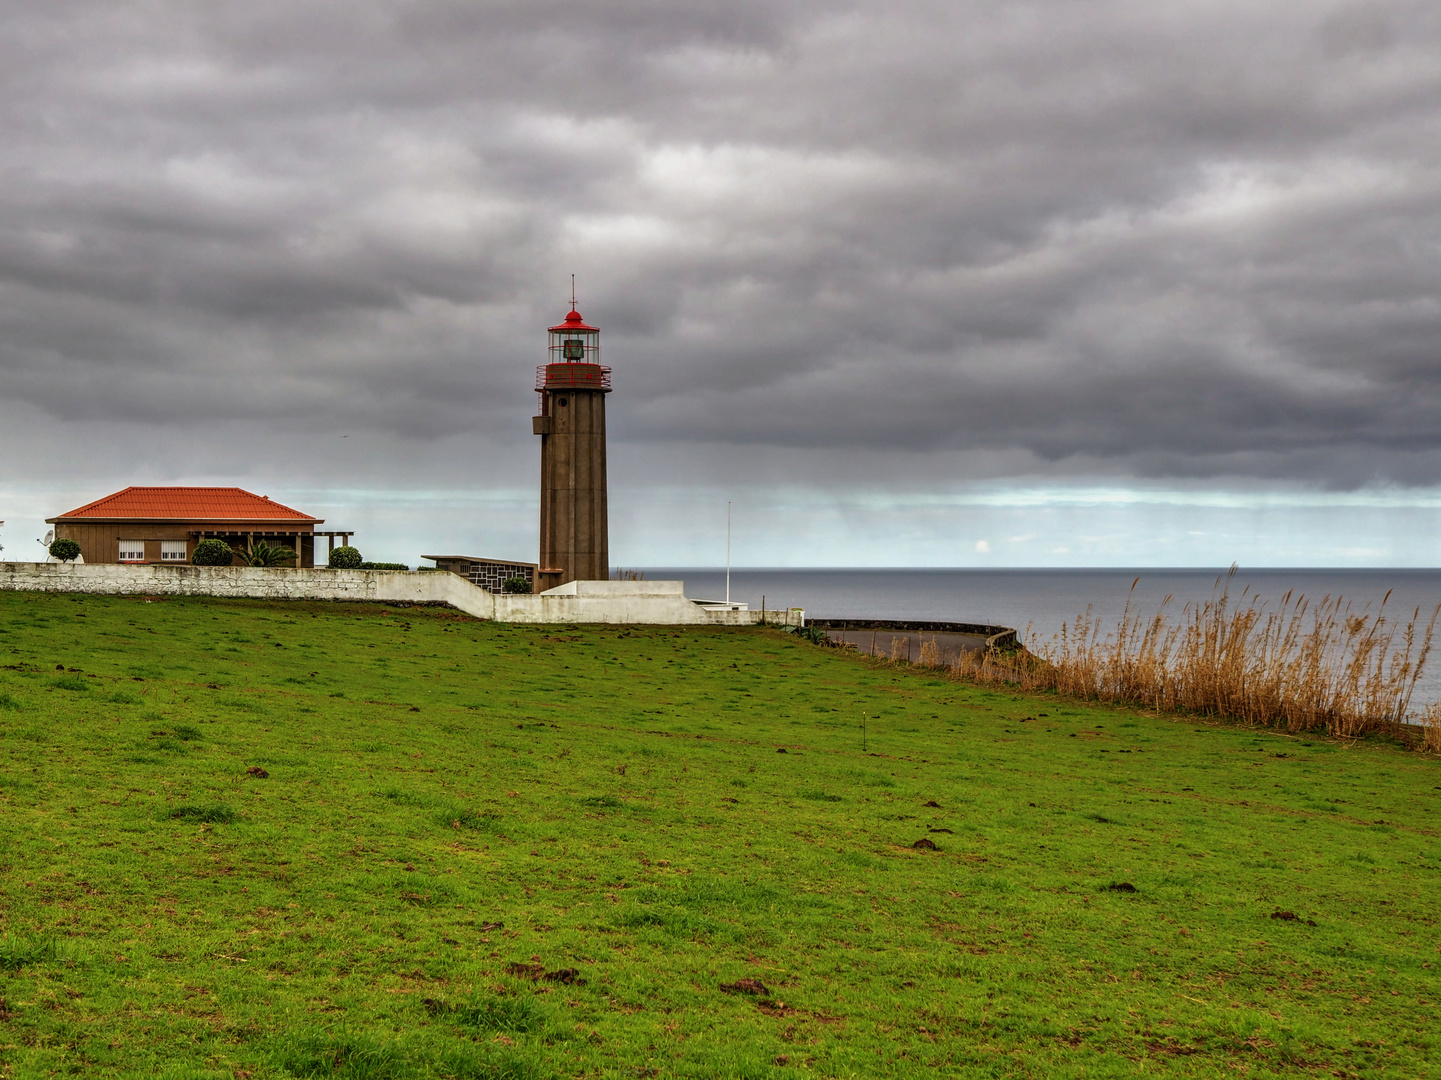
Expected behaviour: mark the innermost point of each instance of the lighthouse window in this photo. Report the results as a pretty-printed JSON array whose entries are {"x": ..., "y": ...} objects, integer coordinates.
[
  {"x": 574, "y": 349},
  {"x": 565, "y": 401}
]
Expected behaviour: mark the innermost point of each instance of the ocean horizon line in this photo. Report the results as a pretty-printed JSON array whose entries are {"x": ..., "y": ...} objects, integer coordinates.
[{"x": 1240, "y": 567}]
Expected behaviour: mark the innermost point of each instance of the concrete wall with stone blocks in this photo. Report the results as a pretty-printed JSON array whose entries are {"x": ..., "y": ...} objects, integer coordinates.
[{"x": 640, "y": 602}]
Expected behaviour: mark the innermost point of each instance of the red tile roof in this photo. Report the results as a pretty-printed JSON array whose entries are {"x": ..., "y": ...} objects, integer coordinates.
[{"x": 186, "y": 504}]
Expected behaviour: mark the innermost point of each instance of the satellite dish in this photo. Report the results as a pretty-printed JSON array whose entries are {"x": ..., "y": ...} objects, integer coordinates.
[{"x": 50, "y": 536}]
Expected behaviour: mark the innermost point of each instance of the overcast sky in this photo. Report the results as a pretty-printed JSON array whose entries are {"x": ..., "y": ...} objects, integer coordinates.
[{"x": 950, "y": 283}]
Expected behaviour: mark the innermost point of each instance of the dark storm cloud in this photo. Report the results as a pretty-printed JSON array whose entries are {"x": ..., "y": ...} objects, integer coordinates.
[{"x": 1183, "y": 239}]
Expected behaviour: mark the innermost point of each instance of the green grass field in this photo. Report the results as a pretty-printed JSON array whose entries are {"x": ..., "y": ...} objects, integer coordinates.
[{"x": 483, "y": 850}]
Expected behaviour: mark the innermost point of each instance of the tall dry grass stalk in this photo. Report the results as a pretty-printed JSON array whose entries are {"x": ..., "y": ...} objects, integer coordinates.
[
  {"x": 930, "y": 653},
  {"x": 1300, "y": 667},
  {"x": 1431, "y": 729},
  {"x": 901, "y": 649}
]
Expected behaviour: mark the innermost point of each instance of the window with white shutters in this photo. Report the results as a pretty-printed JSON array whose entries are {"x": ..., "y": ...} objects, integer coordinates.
[
  {"x": 172, "y": 551},
  {"x": 132, "y": 551}
]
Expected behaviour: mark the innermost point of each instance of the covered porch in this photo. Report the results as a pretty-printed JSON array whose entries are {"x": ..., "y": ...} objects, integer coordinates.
[{"x": 298, "y": 540}]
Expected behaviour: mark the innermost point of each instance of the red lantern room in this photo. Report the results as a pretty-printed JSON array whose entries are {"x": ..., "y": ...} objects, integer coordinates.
[
  {"x": 574, "y": 534},
  {"x": 574, "y": 358}
]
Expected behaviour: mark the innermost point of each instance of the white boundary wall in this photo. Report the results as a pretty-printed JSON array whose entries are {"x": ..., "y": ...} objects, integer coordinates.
[{"x": 654, "y": 602}]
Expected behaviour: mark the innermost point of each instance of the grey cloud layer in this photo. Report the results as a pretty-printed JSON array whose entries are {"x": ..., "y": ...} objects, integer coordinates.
[{"x": 1184, "y": 239}]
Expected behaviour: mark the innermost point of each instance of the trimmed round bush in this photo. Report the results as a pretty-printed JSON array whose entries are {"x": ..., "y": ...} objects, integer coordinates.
[
  {"x": 65, "y": 550},
  {"x": 515, "y": 585},
  {"x": 345, "y": 558},
  {"x": 212, "y": 552}
]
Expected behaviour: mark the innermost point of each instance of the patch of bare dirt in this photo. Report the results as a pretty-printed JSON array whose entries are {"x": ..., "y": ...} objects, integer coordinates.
[
  {"x": 1172, "y": 1048},
  {"x": 747, "y": 986},
  {"x": 535, "y": 971},
  {"x": 1291, "y": 916},
  {"x": 775, "y": 1008}
]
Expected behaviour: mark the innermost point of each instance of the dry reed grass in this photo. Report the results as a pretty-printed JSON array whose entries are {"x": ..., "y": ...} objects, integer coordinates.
[
  {"x": 1431, "y": 729},
  {"x": 930, "y": 654},
  {"x": 1300, "y": 667}
]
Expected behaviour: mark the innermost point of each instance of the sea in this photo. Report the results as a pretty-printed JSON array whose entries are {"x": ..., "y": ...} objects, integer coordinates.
[{"x": 1037, "y": 603}]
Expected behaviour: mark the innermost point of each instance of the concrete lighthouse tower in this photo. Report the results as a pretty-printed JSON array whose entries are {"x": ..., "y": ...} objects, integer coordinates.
[{"x": 574, "y": 542}]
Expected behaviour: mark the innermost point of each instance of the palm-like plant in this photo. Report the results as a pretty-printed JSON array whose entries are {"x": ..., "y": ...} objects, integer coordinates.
[{"x": 259, "y": 553}]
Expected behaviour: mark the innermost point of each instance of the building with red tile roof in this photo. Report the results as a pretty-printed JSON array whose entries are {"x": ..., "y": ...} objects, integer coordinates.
[{"x": 163, "y": 524}]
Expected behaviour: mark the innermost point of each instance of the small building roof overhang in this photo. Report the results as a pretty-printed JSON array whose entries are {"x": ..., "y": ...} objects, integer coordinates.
[{"x": 476, "y": 558}]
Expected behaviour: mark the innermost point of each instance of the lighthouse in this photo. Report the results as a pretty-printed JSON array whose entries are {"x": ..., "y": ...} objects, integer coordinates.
[{"x": 572, "y": 385}]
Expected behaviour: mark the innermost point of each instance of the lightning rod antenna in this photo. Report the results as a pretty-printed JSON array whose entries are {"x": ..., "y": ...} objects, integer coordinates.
[{"x": 572, "y": 292}]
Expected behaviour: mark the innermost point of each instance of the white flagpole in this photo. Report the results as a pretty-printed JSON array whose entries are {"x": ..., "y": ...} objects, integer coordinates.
[{"x": 728, "y": 551}]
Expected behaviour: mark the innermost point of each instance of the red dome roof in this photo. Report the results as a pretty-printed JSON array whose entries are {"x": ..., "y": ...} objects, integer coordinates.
[{"x": 573, "y": 321}]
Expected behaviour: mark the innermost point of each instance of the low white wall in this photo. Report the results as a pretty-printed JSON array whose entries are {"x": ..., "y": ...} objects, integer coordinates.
[
  {"x": 642, "y": 601},
  {"x": 656, "y": 602},
  {"x": 255, "y": 582}
]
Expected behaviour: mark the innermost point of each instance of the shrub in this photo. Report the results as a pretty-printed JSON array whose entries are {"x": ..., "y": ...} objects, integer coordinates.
[
  {"x": 212, "y": 552},
  {"x": 65, "y": 550},
  {"x": 384, "y": 566},
  {"x": 345, "y": 558},
  {"x": 814, "y": 634},
  {"x": 515, "y": 585},
  {"x": 259, "y": 553}
]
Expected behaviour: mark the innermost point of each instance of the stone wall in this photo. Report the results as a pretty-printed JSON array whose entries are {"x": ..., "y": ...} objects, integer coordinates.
[{"x": 650, "y": 602}]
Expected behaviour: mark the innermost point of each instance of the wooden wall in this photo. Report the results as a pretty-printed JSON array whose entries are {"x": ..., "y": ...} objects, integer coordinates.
[{"x": 100, "y": 541}]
